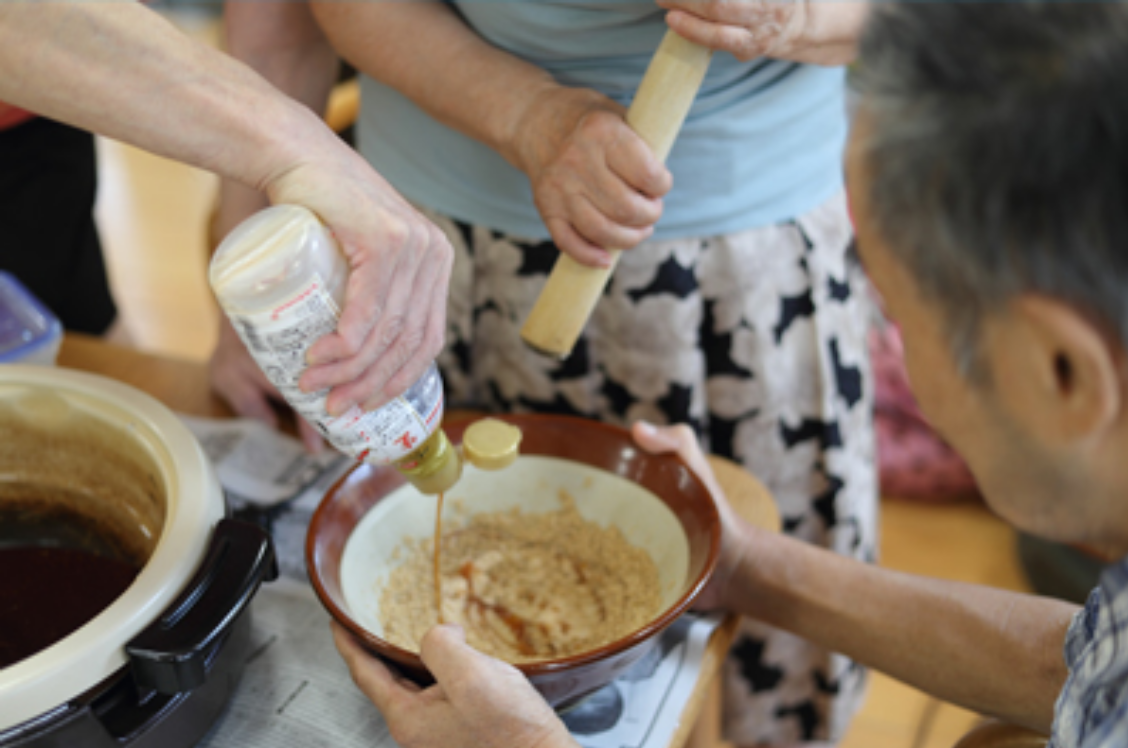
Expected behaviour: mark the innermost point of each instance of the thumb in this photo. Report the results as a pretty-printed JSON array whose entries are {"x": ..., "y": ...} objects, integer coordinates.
[
  {"x": 654, "y": 439},
  {"x": 454, "y": 663},
  {"x": 661, "y": 439},
  {"x": 681, "y": 440}
]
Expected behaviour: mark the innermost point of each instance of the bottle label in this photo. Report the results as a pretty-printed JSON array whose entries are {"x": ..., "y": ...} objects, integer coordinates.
[{"x": 278, "y": 339}]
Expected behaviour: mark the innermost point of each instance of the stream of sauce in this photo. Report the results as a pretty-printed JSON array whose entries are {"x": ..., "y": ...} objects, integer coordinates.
[
  {"x": 516, "y": 624},
  {"x": 438, "y": 567},
  {"x": 525, "y": 632}
]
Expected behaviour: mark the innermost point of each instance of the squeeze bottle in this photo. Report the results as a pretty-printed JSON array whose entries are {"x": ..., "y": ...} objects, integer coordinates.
[{"x": 280, "y": 278}]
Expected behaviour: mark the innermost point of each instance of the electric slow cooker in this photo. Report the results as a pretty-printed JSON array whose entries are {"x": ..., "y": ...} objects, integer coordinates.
[{"x": 100, "y": 482}]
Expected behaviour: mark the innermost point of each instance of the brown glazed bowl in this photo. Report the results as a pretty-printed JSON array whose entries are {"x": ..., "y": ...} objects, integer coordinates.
[{"x": 656, "y": 501}]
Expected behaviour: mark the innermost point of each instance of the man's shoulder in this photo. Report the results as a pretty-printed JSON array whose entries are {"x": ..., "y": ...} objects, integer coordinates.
[{"x": 1092, "y": 711}]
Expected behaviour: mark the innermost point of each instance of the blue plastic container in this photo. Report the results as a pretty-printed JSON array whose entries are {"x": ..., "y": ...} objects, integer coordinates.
[{"x": 29, "y": 332}]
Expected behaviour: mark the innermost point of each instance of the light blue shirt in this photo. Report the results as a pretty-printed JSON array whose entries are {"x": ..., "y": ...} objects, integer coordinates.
[
  {"x": 763, "y": 142},
  {"x": 1092, "y": 710}
]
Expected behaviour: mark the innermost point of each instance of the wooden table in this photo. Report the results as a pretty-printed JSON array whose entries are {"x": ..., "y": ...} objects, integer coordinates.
[{"x": 183, "y": 387}]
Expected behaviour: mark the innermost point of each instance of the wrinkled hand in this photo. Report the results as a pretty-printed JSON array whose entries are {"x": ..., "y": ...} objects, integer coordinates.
[
  {"x": 818, "y": 32},
  {"x": 393, "y": 321},
  {"x": 236, "y": 378},
  {"x": 477, "y": 702},
  {"x": 595, "y": 182},
  {"x": 735, "y": 532}
]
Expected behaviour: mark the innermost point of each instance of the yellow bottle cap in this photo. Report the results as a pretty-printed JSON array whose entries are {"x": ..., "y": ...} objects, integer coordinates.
[
  {"x": 434, "y": 467},
  {"x": 491, "y": 444}
]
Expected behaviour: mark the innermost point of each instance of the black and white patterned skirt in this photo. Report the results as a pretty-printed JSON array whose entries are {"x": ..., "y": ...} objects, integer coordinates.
[{"x": 758, "y": 340}]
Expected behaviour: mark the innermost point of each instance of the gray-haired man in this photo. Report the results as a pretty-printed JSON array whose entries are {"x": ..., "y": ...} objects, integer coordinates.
[{"x": 988, "y": 172}]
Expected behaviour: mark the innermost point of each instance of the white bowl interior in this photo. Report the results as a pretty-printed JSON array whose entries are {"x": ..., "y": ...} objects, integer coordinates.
[{"x": 532, "y": 483}]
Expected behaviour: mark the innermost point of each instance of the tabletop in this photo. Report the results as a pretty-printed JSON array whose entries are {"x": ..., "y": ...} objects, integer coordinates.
[{"x": 183, "y": 386}]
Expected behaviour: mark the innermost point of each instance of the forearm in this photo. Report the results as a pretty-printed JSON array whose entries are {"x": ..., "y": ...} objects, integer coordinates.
[
  {"x": 426, "y": 52},
  {"x": 282, "y": 42},
  {"x": 120, "y": 70},
  {"x": 990, "y": 650}
]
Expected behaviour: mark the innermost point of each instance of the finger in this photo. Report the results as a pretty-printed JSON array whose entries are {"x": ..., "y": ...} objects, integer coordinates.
[
  {"x": 380, "y": 336},
  {"x": 654, "y": 439},
  {"x": 591, "y": 223},
  {"x": 622, "y": 203},
  {"x": 371, "y": 676},
  {"x": 681, "y": 440},
  {"x": 375, "y": 270},
  {"x": 733, "y": 12},
  {"x": 406, "y": 340},
  {"x": 363, "y": 310},
  {"x": 400, "y": 363},
  {"x": 738, "y": 41},
  {"x": 433, "y": 338},
  {"x": 568, "y": 241},
  {"x": 456, "y": 665},
  {"x": 365, "y": 392},
  {"x": 418, "y": 346},
  {"x": 344, "y": 344},
  {"x": 337, "y": 375},
  {"x": 632, "y": 161},
  {"x": 358, "y": 377}
]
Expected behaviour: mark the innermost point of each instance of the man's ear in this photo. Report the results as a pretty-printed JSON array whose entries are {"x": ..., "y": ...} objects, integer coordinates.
[{"x": 1054, "y": 370}]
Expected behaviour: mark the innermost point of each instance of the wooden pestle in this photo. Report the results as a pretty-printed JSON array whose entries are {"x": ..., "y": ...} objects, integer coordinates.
[{"x": 659, "y": 108}]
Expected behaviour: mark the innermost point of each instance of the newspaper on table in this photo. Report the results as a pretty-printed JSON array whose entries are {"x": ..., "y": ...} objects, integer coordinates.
[
  {"x": 258, "y": 465},
  {"x": 296, "y": 691}
]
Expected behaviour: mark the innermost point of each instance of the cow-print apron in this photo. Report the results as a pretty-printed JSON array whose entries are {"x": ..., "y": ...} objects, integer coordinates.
[{"x": 758, "y": 340}]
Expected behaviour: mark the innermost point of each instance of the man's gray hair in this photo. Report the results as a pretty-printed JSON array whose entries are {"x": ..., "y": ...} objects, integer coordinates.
[{"x": 998, "y": 155}]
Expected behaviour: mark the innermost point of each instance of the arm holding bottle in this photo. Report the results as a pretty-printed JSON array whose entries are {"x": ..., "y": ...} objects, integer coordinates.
[
  {"x": 283, "y": 44},
  {"x": 120, "y": 70}
]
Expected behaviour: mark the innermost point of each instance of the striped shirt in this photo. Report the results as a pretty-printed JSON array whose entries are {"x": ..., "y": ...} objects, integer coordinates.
[{"x": 1092, "y": 710}]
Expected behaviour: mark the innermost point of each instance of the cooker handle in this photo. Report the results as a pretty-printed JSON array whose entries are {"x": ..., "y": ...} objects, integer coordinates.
[{"x": 170, "y": 655}]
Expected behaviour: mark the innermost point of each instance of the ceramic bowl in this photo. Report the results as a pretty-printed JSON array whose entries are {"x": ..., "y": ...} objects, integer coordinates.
[{"x": 655, "y": 500}]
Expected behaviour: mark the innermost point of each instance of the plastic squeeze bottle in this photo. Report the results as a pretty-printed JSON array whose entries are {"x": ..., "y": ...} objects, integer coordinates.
[{"x": 280, "y": 277}]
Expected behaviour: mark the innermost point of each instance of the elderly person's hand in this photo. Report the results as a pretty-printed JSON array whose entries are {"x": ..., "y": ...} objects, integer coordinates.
[
  {"x": 393, "y": 320},
  {"x": 819, "y": 32},
  {"x": 218, "y": 115},
  {"x": 595, "y": 182},
  {"x": 394, "y": 317},
  {"x": 477, "y": 701},
  {"x": 736, "y": 534}
]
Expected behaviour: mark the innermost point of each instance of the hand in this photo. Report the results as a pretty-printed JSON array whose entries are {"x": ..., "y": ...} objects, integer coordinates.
[
  {"x": 595, "y": 182},
  {"x": 818, "y": 33},
  {"x": 477, "y": 701},
  {"x": 236, "y": 378},
  {"x": 735, "y": 539},
  {"x": 393, "y": 322}
]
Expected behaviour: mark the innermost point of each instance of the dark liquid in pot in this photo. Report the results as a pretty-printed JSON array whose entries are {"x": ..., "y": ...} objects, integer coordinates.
[{"x": 47, "y": 593}]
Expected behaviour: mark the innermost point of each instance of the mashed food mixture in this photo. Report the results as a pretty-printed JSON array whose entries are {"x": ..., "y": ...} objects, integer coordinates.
[{"x": 525, "y": 587}]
